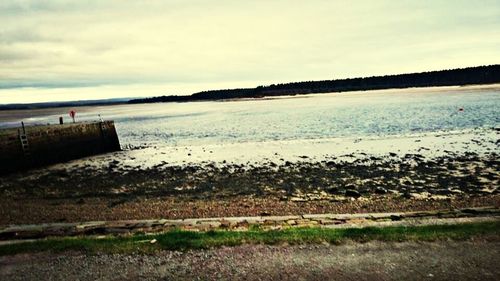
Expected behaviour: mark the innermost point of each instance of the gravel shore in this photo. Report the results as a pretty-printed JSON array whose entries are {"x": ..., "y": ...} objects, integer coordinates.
[{"x": 369, "y": 184}]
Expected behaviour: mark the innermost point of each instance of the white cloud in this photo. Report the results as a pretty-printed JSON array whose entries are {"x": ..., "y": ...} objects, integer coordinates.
[{"x": 184, "y": 45}]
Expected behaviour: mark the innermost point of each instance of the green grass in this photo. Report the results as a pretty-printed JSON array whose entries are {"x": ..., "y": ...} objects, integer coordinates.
[{"x": 185, "y": 240}]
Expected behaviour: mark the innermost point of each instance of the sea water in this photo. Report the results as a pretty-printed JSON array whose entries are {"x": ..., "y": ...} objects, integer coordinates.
[{"x": 317, "y": 116}]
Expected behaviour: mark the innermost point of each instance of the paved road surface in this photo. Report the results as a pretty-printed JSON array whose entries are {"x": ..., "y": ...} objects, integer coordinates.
[{"x": 471, "y": 260}]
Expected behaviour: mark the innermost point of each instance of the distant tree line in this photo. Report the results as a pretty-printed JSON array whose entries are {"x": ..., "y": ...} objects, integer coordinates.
[
  {"x": 465, "y": 76},
  {"x": 452, "y": 77}
]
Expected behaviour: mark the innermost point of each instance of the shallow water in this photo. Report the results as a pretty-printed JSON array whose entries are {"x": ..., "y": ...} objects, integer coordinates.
[{"x": 336, "y": 115}]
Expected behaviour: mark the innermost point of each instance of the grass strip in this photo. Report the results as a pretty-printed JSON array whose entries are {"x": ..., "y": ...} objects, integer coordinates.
[{"x": 186, "y": 240}]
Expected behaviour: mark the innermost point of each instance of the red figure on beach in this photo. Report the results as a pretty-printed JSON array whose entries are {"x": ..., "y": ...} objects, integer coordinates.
[{"x": 72, "y": 114}]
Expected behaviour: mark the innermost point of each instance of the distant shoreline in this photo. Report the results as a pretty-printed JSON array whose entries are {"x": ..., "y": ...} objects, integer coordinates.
[
  {"x": 409, "y": 90},
  {"x": 471, "y": 76},
  {"x": 480, "y": 75}
]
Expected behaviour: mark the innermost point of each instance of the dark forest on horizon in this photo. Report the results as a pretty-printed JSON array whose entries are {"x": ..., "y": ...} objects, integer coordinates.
[
  {"x": 454, "y": 77},
  {"x": 489, "y": 74}
]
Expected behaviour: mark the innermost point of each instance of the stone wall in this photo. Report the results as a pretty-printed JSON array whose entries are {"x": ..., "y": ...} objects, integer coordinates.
[{"x": 50, "y": 144}]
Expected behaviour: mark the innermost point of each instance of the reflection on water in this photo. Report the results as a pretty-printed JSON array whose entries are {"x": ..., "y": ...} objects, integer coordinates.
[{"x": 379, "y": 113}]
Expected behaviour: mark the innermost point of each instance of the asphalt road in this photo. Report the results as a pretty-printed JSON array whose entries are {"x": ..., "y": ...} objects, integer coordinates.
[{"x": 444, "y": 260}]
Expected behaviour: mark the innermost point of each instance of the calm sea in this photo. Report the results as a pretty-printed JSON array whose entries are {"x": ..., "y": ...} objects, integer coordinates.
[{"x": 356, "y": 114}]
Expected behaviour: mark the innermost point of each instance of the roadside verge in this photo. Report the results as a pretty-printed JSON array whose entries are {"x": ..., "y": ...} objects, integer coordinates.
[{"x": 154, "y": 235}]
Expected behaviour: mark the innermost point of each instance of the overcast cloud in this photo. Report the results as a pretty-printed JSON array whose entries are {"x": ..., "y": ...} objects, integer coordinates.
[{"x": 70, "y": 50}]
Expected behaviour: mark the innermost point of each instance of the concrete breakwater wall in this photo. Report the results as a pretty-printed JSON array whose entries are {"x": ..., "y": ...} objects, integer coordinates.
[{"x": 47, "y": 144}]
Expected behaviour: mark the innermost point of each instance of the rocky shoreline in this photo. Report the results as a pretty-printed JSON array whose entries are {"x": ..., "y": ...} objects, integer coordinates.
[{"x": 369, "y": 184}]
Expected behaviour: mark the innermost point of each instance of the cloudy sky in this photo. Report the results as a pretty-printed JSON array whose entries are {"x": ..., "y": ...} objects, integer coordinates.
[{"x": 73, "y": 50}]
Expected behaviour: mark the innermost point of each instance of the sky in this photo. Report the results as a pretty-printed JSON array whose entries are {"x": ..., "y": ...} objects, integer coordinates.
[{"x": 76, "y": 50}]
